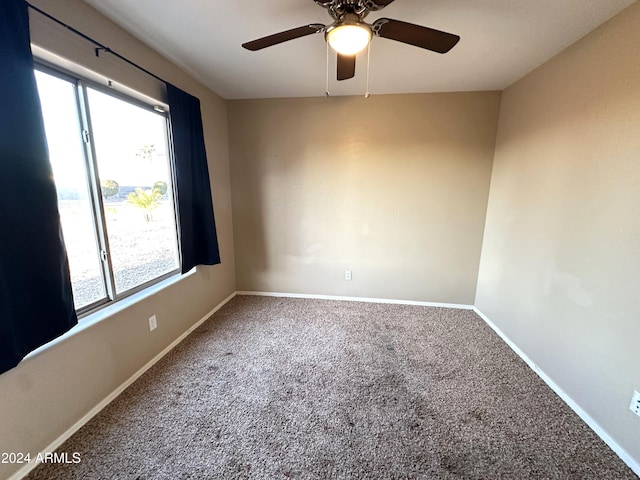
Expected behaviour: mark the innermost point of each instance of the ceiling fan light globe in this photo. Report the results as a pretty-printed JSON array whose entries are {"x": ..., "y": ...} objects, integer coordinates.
[{"x": 349, "y": 39}]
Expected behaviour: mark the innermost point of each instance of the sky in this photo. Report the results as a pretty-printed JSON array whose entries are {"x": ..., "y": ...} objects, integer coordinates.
[{"x": 121, "y": 130}]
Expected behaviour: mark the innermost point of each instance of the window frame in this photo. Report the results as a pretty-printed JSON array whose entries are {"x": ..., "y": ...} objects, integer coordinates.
[{"x": 92, "y": 178}]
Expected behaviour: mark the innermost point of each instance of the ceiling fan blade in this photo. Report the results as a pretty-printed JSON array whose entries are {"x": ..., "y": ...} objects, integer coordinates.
[
  {"x": 285, "y": 36},
  {"x": 346, "y": 66},
  {"x": 423, "y": 37}
]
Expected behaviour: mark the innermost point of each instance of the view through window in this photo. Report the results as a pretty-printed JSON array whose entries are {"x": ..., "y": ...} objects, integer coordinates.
[{"x": 112, "y": 170}]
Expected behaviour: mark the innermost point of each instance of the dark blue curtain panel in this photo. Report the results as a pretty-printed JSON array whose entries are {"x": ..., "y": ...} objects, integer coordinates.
[
  {"x": 198, "y": 237},
  {"x": 36, "y": 301}
]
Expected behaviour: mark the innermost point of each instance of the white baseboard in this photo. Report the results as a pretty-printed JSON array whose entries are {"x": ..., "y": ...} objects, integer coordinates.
[
  {"x": 358, "y": 299},
  {"x": 621, "y": 452},
  {"x": 107, "y": 400}
]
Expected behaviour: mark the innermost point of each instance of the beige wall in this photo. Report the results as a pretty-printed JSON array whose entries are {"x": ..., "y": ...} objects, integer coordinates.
[
  {"x": 47, "y": 393},
  {"x": 393, "y": 187},
  {"x": 560, "y": 269}
]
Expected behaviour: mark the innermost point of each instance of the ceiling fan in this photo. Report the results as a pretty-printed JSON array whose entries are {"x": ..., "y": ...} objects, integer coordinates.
[{"x": 350, "y": 34}]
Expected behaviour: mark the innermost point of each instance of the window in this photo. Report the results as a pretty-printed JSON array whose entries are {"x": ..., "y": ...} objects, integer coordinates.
[{"x": 113, "y": 173}]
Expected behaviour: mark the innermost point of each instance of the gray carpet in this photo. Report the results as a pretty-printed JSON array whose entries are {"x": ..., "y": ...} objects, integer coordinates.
[{"x": 292, "y": 388}]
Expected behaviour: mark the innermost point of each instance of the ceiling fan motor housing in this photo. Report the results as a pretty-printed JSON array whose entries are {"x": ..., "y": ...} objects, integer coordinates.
[{"x": 338, "y": 8}]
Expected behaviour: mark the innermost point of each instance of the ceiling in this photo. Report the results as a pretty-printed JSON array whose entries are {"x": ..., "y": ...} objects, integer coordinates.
[{"x": 501, "y": 41}]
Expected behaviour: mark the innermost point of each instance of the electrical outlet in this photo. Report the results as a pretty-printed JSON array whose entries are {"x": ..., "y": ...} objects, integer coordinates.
[
  {"x": 153, "y": 323},
  {"x": 635, "y": 403},
  {"x": 347, "y": 274}
]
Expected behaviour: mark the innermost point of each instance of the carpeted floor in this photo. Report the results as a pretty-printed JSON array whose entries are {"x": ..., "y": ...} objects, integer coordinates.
[{"x": 295, "y": 388}]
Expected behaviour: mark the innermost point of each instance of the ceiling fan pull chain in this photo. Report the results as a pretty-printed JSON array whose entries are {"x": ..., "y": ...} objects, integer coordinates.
[
  {"x": 366, "y": 93},
  {"x": 326, "y": 92}
]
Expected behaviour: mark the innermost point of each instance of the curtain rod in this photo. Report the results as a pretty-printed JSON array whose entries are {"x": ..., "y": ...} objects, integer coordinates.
[{"x": 99, "y": 46}]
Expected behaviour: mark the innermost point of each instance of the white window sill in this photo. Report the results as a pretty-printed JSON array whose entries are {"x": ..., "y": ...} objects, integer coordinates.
[{"x": 112, "y": 309}]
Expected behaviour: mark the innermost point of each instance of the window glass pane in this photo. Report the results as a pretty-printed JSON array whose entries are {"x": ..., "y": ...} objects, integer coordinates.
[
  {"x": 134, "y": 170},
  {"x": 59, "y": 109}
]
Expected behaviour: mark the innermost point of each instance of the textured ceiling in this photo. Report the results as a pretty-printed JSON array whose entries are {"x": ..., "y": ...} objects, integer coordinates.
[{"x": 501, "y": 41}]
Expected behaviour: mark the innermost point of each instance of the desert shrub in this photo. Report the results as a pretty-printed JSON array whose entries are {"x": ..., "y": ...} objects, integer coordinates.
[
  {"x": 109, "y": 188},
  {"x": 147, "y": 200},
  {"x": 161, "y": 187}
]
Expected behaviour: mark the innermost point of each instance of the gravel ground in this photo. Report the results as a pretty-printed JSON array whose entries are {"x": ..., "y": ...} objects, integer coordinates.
[{"x": 140, "y": 250}]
